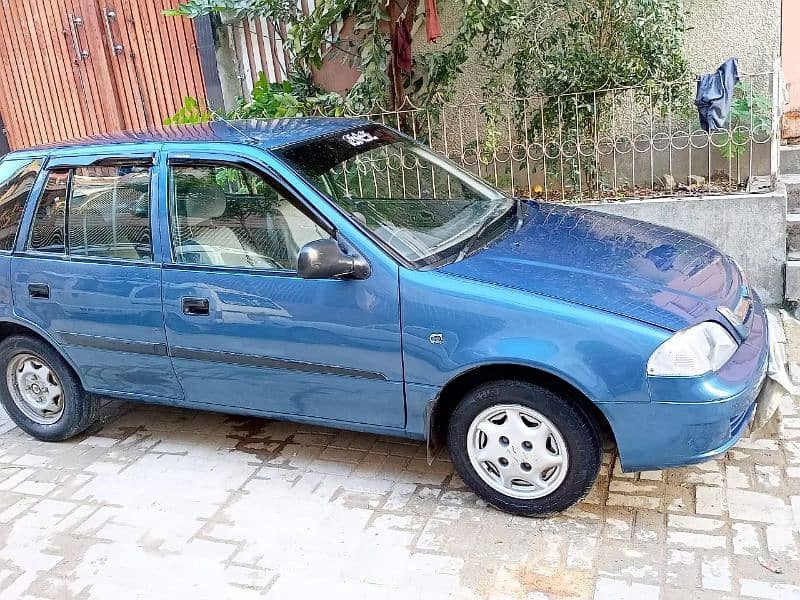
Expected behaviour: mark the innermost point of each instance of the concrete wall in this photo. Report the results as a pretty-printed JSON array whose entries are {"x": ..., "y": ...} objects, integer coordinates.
[
  {"x": 719, "y": 29},
  {"x": 751, "y": 228}
]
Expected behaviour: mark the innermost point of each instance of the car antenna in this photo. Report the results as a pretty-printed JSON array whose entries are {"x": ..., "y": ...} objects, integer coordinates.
[{"x": 230, "y": 124}]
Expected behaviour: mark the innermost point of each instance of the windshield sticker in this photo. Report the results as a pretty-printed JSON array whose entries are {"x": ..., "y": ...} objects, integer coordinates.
[{"x": 359, "y": 138}]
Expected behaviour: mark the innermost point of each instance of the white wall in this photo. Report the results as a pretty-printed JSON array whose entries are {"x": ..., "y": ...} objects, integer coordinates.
[{"x": 719, "y": 29}]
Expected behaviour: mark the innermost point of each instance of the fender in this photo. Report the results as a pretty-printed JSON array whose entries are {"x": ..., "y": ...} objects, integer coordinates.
[
  {"x": 498, "y": 369},
  {"x": 15, "y": 320}
]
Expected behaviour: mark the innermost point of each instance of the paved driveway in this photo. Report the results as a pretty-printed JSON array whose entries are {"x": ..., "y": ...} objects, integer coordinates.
[{"x": 164, "y": 503}]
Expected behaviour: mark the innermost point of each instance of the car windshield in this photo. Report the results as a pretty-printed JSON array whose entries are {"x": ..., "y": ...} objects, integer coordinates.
[{"x": 421, "y": 205}]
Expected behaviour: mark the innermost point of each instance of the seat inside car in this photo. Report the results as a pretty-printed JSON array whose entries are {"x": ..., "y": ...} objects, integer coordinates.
[{"x": 209, "y": 232}]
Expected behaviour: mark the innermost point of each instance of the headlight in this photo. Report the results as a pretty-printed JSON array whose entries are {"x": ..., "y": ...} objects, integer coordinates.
[
  {"x": 693, "y": 351},
  {"x": 742, "y": 274}
]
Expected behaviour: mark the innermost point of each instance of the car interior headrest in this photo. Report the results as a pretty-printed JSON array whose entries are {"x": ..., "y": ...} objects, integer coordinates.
[{"x": 206, "y": 202}]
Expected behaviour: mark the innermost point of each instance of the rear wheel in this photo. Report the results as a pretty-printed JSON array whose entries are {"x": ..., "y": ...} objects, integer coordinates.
[
  {"x": 40, "y": 392},
  {"x": 524, "y": 449}
]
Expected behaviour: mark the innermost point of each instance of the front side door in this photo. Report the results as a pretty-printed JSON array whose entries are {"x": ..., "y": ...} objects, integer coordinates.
[
  {"x": 85, "y": 274},
  {"x": 244, "y": 330}
]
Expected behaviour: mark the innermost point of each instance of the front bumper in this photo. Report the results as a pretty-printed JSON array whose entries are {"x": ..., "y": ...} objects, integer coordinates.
[{"x": 692, "y": 419}]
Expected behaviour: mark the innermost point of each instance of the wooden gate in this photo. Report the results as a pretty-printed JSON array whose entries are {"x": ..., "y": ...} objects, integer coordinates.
[{"x": 72, "y": 68}]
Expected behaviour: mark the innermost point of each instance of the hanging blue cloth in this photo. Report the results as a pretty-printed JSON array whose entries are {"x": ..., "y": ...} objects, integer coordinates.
[{"x": 715, "y": 95}]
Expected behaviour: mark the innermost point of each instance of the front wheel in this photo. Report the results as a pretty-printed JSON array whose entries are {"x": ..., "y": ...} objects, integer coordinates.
[{"x": 524, "y": 449}]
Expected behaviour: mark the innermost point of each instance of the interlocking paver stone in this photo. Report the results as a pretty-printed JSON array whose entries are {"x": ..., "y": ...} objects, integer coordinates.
[
  {"x": 165, "y": 503},
  {"x": 227, "y": 507}
]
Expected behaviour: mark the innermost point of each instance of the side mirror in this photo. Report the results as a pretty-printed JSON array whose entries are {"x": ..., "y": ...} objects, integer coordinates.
[{"x": 325, "y": 259}]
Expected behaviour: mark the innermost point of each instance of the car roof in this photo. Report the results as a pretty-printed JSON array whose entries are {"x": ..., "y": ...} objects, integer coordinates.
[{"x": 267, "y": 133}]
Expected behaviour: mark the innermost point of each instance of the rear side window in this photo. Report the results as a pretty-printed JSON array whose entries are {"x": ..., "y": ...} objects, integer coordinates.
[
  {"x": 109, "y": 212},
  {"x": 16, "y": 180},
  {"x": 47, "y": 233},
  {"x": 98, "y": 211}
]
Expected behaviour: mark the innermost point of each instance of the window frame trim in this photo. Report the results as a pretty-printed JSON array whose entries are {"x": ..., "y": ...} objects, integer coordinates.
[
  {"x": 50, "y": 165},
  {"x": 78, "y": 161},
  {"x": 176, "y": 157},
  {"x": 118, "y": 162}
]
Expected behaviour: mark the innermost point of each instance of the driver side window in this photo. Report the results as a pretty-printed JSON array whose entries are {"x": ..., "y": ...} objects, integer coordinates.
[{"x": 229, "y": 215}]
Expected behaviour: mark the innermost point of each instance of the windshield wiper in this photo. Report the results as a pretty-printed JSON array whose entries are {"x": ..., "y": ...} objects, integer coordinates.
[
  {"x": 520, "y": 216},
  {"x": 491, "y": 219}
]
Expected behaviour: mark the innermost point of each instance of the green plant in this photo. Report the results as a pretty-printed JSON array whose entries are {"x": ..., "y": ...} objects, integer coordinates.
[
  {"x": 310, "y": 37},
  {"x": 546, "y": 47},
  {"x": 189, "y": 113},
  {"x": 268, "y": 101},
  {"x": 750, "y": 114},
  {"x": 573, "y": 54},
  {"x": 552, "y": 47},
  {"x": 578, "y": 57}
]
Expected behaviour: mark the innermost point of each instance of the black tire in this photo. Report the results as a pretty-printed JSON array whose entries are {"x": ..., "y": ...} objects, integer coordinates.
[
  {"x": 80, "y": 408},
  {"x": 579, "y": 433}
]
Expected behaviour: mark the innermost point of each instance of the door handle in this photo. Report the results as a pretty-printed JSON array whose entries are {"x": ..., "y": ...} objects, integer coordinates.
[
  {"x": 80, "y": 54},
  {"x": 194, "y": 306},
  {"x": 110, "y": 16},
  {"x": 38, "y": 290}
]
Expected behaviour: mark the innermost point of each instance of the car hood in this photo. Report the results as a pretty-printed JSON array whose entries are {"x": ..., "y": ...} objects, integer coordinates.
[{"x": 653, "y": 274}]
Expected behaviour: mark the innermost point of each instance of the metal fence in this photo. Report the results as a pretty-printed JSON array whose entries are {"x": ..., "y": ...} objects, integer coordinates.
[
  {"x": 604, "y": 144},
  {"x": 607, "y": 144}
]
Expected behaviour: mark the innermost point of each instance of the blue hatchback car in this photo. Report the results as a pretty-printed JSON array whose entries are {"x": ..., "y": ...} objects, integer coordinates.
[{"x": 333, "y": 271}]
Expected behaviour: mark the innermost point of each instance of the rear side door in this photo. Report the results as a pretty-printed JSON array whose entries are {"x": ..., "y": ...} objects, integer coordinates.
[
  {"x": 244, "y": 330},
  {"x": 17, "y": 178},
  {"x": 85, "y": 273}
]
